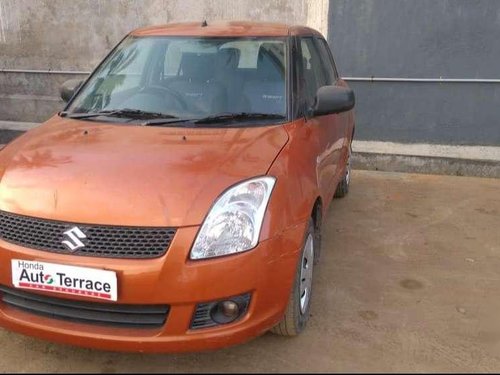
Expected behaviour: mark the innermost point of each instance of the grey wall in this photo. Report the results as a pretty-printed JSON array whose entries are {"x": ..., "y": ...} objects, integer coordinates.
[
  {"x": 421, "y": 39},
  {"x": 77, "y": 34}
]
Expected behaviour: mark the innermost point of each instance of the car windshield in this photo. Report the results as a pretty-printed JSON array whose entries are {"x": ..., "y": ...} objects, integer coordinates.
[{"x": 188, "y": 78}]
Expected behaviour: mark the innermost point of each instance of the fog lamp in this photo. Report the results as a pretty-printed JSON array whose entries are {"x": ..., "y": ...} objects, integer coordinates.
[
  {"x": 225, "y": 312},
  {"x": 230, "y": 308},
  {"x": 214, "y": 313}
]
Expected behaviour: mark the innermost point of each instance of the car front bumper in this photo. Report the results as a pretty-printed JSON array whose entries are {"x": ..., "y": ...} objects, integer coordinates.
[{"x": 267, "y": 272}]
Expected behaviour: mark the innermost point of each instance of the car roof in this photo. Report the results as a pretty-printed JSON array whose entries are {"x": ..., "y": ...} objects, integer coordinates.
[{"x": 225, "y": 29}]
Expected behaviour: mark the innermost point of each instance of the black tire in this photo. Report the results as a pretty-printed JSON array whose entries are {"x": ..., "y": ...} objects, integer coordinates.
[
  {"x": 343, "y": 186},
  {"x": 295, "y": 319}
]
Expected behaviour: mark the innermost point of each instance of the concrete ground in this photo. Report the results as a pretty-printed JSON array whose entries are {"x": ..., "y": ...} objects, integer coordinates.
[{"x": 409, "y": 281}]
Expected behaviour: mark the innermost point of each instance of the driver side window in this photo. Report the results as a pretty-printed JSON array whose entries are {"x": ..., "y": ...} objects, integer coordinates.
[{"x": 313, "y": 74}]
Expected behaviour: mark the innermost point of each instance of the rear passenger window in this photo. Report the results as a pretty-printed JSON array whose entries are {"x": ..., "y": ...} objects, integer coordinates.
[
  {"x": 314, "y": 74},
  {"x": 248, "y": 52}
]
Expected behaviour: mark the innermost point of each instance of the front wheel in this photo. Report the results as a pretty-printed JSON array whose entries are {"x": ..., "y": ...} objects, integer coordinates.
[
  {"x": 343, "y": 186},
  {"x": 297, "y": 312}
]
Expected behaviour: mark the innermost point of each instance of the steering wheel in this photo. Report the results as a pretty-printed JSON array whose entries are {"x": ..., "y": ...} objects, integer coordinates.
[{"x": 162, "y": 90}]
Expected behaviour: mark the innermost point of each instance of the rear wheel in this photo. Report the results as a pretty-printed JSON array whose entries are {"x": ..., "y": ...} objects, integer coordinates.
[
  {"x": 297, "y": 312},
  {"x": 343, "y": 186}
]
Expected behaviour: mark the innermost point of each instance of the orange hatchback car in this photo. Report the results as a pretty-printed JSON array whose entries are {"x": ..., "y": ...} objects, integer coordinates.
[{"x": 176, "y": 203}]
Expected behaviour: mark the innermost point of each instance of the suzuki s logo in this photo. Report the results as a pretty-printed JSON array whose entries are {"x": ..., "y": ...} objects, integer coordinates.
[{"x": 73, "y": 238}]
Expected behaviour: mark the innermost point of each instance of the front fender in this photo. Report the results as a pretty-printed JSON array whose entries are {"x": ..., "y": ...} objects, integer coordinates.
[{"x": 296, "y": 188}]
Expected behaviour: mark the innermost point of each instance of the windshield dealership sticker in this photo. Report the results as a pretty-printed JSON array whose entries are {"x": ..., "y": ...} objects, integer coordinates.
[{"x": 80, "y": 281}]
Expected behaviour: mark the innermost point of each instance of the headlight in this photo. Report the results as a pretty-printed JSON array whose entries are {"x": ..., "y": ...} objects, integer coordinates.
[{"x": 233, "y": 224}]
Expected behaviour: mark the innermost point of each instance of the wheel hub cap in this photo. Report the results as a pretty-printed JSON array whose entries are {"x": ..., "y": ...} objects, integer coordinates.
[
  {"x": 348, "y": 169},
  {"x": 306, "y": 273}
]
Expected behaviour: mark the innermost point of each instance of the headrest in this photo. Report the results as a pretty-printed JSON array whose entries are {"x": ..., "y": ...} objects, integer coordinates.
[
  {"x": 228, "y": 58},
  {"x": 268, "y": 63},
  {"x": 197, "y": 65}
]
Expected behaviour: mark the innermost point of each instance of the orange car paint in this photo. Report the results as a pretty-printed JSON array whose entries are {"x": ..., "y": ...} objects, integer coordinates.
[{"x": 90, "y": 172}]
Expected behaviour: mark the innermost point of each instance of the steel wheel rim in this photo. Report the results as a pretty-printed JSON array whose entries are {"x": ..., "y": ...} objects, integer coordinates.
[
  {"x": 348, "y": 169},
  {"x": 306, "y": 272}
]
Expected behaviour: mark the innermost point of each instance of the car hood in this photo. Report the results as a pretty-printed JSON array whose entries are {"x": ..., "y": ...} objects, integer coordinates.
[{"x": 89, "y": 172}]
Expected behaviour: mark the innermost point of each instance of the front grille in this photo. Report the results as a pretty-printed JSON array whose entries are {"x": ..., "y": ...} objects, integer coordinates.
[
  {"x": 128, "y": 316},
  {"x": 101, "y": 240}
]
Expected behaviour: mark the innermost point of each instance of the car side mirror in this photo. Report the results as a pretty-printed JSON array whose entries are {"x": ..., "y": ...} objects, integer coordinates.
[
  {"x": 69, "y": 87},
  {"x": 333, "y": 99}
]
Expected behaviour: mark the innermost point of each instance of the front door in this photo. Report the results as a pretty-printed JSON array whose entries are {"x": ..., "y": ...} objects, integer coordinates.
[{"x": 328, "y": 130}]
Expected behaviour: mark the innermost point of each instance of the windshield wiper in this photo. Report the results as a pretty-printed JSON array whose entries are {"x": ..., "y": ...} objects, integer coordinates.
[
  {"x": 124, "y": 112},
  {"x": 157, "y": 118},
  {"x": 165, "y": 121},
  {"x": 215, "y": 118},
  {"x": 238, "y": 116}
]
